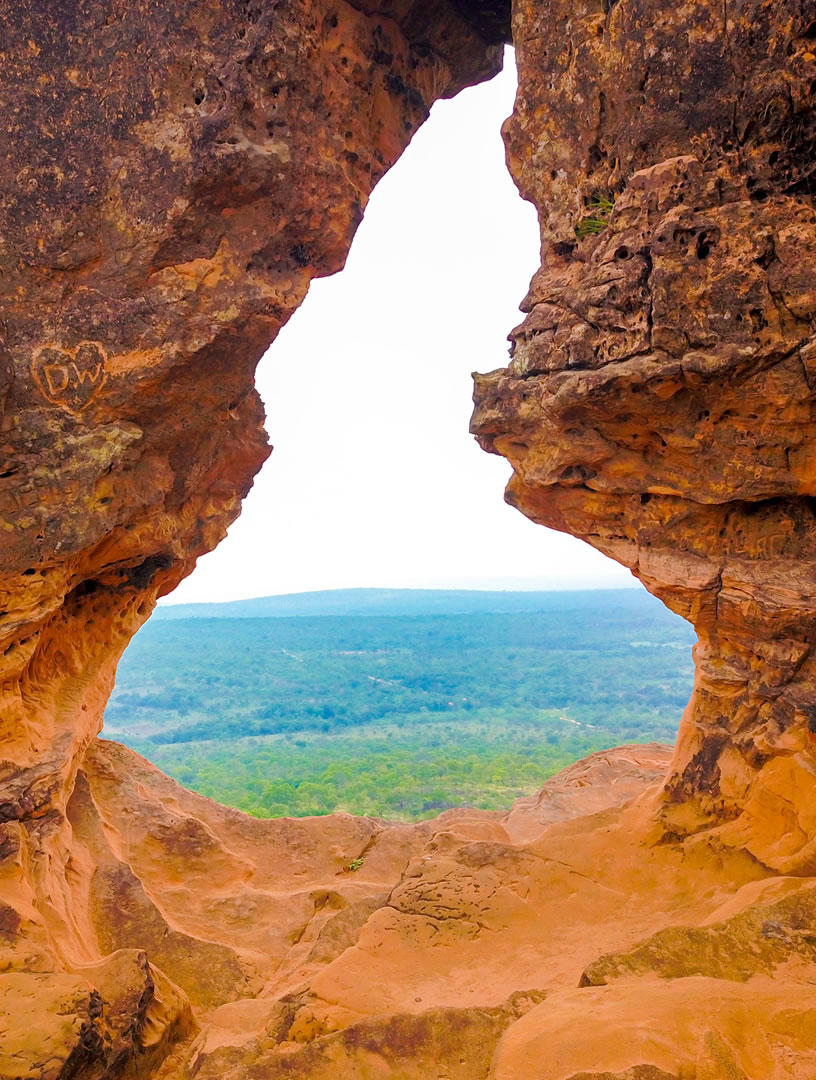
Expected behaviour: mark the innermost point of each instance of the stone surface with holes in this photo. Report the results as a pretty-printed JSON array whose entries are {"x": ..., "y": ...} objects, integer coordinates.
[
  {"x": 659, "y": 401},
  {"x": 173, "y": 176}
]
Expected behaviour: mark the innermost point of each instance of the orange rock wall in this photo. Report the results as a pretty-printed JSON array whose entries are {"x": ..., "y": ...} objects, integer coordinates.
[
  {"x": 176, "y": 174},
  {"x": 187, "y": 169},
  {"x": 659, "y": 402},
  {"x": 173, "y": 176}
]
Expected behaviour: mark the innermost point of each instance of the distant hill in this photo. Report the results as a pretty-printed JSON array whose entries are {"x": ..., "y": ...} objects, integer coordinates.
[{"x": 401, "y": 602}]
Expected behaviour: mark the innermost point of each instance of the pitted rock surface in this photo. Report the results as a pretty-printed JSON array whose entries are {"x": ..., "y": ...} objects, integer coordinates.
[
  {"x": 659, "y": 402},
  {"x": 173, "y": 176}
]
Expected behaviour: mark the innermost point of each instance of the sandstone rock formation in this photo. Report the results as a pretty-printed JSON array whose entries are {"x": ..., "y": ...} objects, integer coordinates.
[
  {"x": 551, "y": 942},
  {"x": 660, "y": 398},
  {"x": 173, "y": 176}
]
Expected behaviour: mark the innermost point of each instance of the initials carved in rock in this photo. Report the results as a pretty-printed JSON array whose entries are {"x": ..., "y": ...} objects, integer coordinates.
[
  {"x": 70, "y": 377},
  {"x": 769, "y": 546}
]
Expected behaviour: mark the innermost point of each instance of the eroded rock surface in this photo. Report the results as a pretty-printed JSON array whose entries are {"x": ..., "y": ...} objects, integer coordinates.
[
  {"x": 660, "y": 398},
  {"x": 173, "y": 176},
  {"x": 475, "y": 947}
]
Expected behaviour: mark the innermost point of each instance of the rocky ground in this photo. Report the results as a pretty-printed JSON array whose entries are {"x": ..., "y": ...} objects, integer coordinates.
[{"x": 560, "y": 940}]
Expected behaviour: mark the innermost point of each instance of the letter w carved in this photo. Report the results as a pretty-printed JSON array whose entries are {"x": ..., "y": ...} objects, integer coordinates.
[{"x": 86, "y": 375}]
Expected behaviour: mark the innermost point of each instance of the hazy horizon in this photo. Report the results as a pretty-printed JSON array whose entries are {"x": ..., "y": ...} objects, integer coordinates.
[{"x": 171, "y": 601}]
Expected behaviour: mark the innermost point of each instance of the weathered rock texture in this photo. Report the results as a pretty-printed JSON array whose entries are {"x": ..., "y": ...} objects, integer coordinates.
[
  {"x": 556, "y": 942},
  {"x": 660, "y": 398},
  {"x": 173, "y": 175}
]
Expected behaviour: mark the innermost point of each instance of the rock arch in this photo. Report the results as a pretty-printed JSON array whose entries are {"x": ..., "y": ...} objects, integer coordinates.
[{"x": 175, "y": 173}]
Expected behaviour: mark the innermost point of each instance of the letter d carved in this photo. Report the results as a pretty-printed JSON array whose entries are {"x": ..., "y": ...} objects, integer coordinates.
[{"x": 56, "y": 375}]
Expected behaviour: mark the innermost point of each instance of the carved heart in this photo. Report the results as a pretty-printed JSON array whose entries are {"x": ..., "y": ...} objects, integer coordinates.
[{"x": 70, "y": 378}]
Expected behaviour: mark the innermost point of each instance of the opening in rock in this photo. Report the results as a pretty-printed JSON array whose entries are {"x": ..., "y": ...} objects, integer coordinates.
[
  {"x": 400, "y": 704},
  {"x": 658, "y": 404}
]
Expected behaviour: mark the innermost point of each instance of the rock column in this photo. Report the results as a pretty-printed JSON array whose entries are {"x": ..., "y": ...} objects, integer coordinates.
[{"x": 659, "y": 401}]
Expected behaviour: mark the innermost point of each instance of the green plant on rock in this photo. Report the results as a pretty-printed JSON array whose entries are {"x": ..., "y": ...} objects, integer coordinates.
[{"x": 600, "y": 208}]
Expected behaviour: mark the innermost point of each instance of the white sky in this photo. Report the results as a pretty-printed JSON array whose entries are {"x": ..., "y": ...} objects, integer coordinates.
[{"x": 375, "y": 480}]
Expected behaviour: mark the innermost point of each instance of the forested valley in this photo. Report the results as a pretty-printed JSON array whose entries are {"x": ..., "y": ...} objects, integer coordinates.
[{"x": 473, "y": 702}]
